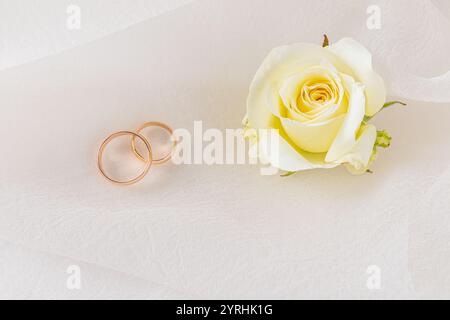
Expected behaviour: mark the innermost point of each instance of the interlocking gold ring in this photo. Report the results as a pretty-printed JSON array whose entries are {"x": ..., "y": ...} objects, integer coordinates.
[
  {"x": 161, "y": 160},
  {"x": 148, "y": 163}
]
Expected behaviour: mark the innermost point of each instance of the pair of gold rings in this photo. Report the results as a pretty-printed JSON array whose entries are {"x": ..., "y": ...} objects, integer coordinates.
[{"x": 147, "y": 158}]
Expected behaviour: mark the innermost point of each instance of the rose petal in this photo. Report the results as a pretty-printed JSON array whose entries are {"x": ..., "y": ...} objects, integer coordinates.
[
  {"x": 290, "y": 89},
  {"x": 287, "y": 158},
  {"x": 358, "y": 159},
  {"x": 346, "y": 137},
  {"x": 281, "y": 63},
  {"x": 359, "y": 59},
  {"x": 316, "y": 137}
]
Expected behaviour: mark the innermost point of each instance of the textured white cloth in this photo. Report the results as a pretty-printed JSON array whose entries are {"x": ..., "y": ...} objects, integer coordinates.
[{"x": 221, "y": 231}]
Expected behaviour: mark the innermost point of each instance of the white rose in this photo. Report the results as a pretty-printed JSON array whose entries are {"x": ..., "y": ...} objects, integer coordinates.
[{"x": 317, "y": 99}]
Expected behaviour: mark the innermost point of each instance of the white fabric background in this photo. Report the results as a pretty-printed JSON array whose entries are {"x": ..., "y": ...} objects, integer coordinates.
[{"x": 220, "y": 231}]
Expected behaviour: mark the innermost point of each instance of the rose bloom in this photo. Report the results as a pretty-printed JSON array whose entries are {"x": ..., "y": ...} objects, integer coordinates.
[{"x": 316, "y": 98}]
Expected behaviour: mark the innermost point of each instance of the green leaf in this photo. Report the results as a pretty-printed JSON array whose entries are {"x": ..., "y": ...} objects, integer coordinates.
[
  {"x": 287, "y": 174},
  {"x": 326, "y": 42},
  {"x": 369, "y": 171}
]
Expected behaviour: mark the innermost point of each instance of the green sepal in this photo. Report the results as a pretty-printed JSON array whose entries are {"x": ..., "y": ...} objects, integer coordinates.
[
  {"x": 326, "y": 42},
  {"x": 383, "y": 139},
  {"x": 386, "y": 105},
  {"x": 288, "y": 173},
  {"x": 391, "y": 103}
]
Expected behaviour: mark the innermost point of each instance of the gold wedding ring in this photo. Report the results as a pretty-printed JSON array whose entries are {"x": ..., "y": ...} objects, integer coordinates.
[
  {"x": 148, "y": 162},
  {"x": 149, "y": 154},
  {"x": 161, "y": 160}
]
